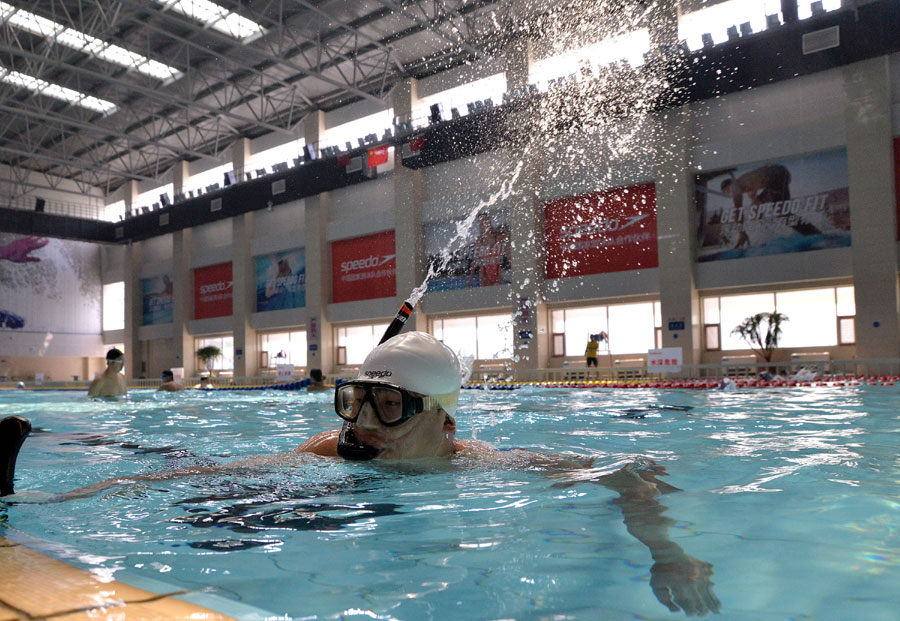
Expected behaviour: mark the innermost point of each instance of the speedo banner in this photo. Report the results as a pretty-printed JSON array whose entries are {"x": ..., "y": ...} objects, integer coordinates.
[
  {"x": 281, "y": 280},
  {"x": 363, "y": 268},
  {"x": 793, "y": 204},
  {"x": 156, "y": 300},
  {"x": 212, "y": 291},
  {"x": 461, "y": 257},
  {"x": 609, "y": 231}
]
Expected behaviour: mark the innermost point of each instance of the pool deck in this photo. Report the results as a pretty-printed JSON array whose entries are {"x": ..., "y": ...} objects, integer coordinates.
[{"x": 35, "y": 586}]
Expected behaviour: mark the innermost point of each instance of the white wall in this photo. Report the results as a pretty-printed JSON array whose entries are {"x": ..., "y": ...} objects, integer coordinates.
[
  {"x": 282, "y": 219},
  {"x": 895, "y": 93},
  {"x": 212, "y": 235},
  {"x": 363, "y": 199}
]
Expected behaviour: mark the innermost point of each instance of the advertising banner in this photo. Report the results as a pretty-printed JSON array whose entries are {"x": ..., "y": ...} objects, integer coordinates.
[
  {"x": 281, "y": 280},
  {"x": 609, "y": 231},
  {"x": 364, "y": 268},
  {"x": 156, "y": 300},
  {"x": 477, "y": 257},
  {"x": 212, "y": 291},
  {"x": 792, "y": 205}
]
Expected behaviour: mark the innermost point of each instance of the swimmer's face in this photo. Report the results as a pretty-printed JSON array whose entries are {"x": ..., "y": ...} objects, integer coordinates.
[
  {"x": 117, "y": 364},
  {"x": 427, "y": 434}
]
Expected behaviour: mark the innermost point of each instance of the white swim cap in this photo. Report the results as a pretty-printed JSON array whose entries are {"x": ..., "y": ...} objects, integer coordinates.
[{"x": 419, "y": 363}]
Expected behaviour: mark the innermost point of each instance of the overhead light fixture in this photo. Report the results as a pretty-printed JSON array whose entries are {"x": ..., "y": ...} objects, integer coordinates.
[
  {"x": 216, "y": 17},
  {"x": 42, "y": 87},
  {"x": 76, "y": 40}
]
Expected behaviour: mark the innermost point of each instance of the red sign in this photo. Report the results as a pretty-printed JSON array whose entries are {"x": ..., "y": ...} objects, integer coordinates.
[
  {"x": 364, "y": 268},
  {"x": 609, "y": 231},
  {"x": 378, "y": 155},
  {"x": 212, "y": 291}
]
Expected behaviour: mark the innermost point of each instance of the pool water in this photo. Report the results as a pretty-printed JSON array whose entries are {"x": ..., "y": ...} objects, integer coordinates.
[{"x": 790, "y": 494}]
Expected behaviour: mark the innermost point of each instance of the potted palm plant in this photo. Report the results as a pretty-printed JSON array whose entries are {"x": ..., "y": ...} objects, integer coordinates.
[
  {"x": 207, "y": 354},
  {"x": 761, "y": 332}
]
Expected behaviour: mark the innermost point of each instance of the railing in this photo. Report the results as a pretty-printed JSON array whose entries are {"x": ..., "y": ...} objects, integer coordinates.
[{"x": 60, "y": 208}]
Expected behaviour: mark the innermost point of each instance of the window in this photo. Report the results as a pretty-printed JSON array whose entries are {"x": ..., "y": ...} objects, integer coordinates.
[
  {"x": 200, "y": 181},
  {"x": 816, "y": 317},
  {"x": 355, "y": 342},
  {"x": 629, "y": 46},
  {"x": 282, "y": 348},
  {"x": 286, "y": 153},
  {"x": 716, "y": 19},
  {"x": 632, "y": 328},
  {"x": 354, "y": 130},
  {"x": 114, "y": 211},
  {"x": 146, "y": 199},
  {"x": 114, "y": 306},
  {"x": 480, "y": 337},
  {"x": 491, "y": 87},
  {"x": 225, "y": 344}
]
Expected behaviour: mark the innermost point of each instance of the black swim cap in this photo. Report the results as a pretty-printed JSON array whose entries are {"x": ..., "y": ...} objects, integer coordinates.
[
  {"x": 114, "y": 354},
  {"x": 168, "y": 375}
]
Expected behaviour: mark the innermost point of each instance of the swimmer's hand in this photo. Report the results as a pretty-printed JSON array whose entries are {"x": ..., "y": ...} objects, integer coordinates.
[
  {"x": 18, "y": 251},
  {"x": 682, "y": 582}
]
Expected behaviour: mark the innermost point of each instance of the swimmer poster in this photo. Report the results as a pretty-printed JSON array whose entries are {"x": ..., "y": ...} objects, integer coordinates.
[
  {"x": 473, "y": 257},
  {"x": 49, "y": 285},
  {"x": 156, "y": 300},
  {"x": 281, "y": 280},
  {"x": 363, "y": 268},
  {"x": 793, "y": 204},
  {"x": 609, "y": 231},
  {"x": 213, "y": 289}
]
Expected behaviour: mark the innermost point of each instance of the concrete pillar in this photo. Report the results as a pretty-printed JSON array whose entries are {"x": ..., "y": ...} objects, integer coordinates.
[
  {"x": 240, "y": 157},
  {"x": 409, "y": 192},
  {"x": 873, "y": 213},
  {"x": 676, "y": 233},
  {"x": 180, "y": 176},
  {"x": 132, "y": 277},
  {"x": 243, "y": 276},
  {"x": 319, "y": 339},
  {"x": 663, "y": 27},
  {"x": 530, "y": 335},
  {"x": 182, "y": 302}
]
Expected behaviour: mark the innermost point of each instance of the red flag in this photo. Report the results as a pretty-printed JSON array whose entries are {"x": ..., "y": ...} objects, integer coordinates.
[
  {"x": 343, "y": 160},
  {"x": 417, "y": 143},
  {"x": 378, "y": 155}
]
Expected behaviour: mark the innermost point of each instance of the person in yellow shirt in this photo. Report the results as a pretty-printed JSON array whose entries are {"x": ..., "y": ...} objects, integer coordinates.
[{"x": 590, "y": 351}]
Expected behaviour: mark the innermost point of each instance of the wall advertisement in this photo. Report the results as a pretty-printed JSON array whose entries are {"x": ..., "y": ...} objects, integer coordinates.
[
  {"x": 364, "y": 268},
  {"x": 473, "y": 256},
  {"x": 213, "y": 289},
  {"x": 608, "y": 231},
  {"x": 49, "y": 285},
  {"x": 281, "y": 280},
  {"x": 156, "y": 300},
  {"x": 791, "y": 205}
]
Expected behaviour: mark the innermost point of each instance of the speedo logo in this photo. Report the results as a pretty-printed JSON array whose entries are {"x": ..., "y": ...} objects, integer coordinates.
[
  {"x": 222, "y": 285},
  {"x": 601, "y": 225},
  {"x": 378, "y": 374},
  {"x": 361, "y": 264}
]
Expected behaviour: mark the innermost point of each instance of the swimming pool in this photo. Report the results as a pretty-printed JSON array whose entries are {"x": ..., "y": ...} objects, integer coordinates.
[{"x": 791, "y": 495}]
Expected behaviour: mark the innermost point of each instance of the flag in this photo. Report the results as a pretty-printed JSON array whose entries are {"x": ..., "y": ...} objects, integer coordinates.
[{"x": 378, "y": 155}]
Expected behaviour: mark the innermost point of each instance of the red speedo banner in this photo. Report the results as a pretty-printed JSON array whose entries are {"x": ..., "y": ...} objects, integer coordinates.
[
  {"x": 212, "y": 291},
  {"x": 363, "y": 268},
  {"x": 609, "y": 231}
]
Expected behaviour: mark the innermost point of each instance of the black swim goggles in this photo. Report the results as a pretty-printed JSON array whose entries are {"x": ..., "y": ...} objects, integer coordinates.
[{"x": 392, "y": 404}]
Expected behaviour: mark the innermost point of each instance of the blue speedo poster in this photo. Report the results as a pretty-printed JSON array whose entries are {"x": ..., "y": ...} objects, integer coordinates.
[
  {"x": 156, "y": 300},
  {"x": 281, "y": 280}
]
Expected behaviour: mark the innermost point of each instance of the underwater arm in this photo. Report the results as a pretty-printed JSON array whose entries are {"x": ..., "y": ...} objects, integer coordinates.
[{"x": 678, "y": 580}]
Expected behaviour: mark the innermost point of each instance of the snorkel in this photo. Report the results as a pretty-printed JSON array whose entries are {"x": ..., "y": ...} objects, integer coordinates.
[{"x": 348, "y": 446}]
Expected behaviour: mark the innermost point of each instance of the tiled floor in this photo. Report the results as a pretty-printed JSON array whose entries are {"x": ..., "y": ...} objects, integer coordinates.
[{"x": 34, "y": 586}]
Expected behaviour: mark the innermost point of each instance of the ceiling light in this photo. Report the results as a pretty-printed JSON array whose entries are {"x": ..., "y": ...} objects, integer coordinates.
[
  {"x": 69, "y": 37},
  {"x": 216, "y": 17},
  {"x": 42, "y": 87}
]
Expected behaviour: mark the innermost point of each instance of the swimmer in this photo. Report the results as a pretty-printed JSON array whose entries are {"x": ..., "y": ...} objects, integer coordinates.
[
  {"x": 316, "y": 381},
  {"x": 402, "y": 406},
  {"x": 111, "y": 383},
  {"x": 169, "y": 384},
  {"x": 205, "y": 382}
]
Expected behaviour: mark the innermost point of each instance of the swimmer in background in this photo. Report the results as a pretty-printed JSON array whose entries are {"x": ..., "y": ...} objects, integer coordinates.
[
  {"x": 402, "y": 406},
  {"x": 169, "y": 384},
  {"x": 590, "y": 352},
  {"x": 316, "y": 381},
  {"x": 111, "y": 383},
  {"x": 765, "y": 184},
  {"x": 205, "y": 382}
]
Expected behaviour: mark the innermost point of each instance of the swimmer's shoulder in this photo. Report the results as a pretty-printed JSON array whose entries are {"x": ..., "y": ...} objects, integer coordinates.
[
  {"x": 323, "y": 444},
  {"x": 474, "y": 448}
]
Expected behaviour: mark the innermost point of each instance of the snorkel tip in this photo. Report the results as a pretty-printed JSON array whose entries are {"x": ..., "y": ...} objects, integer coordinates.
[{"x": 351, "y": 449}]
